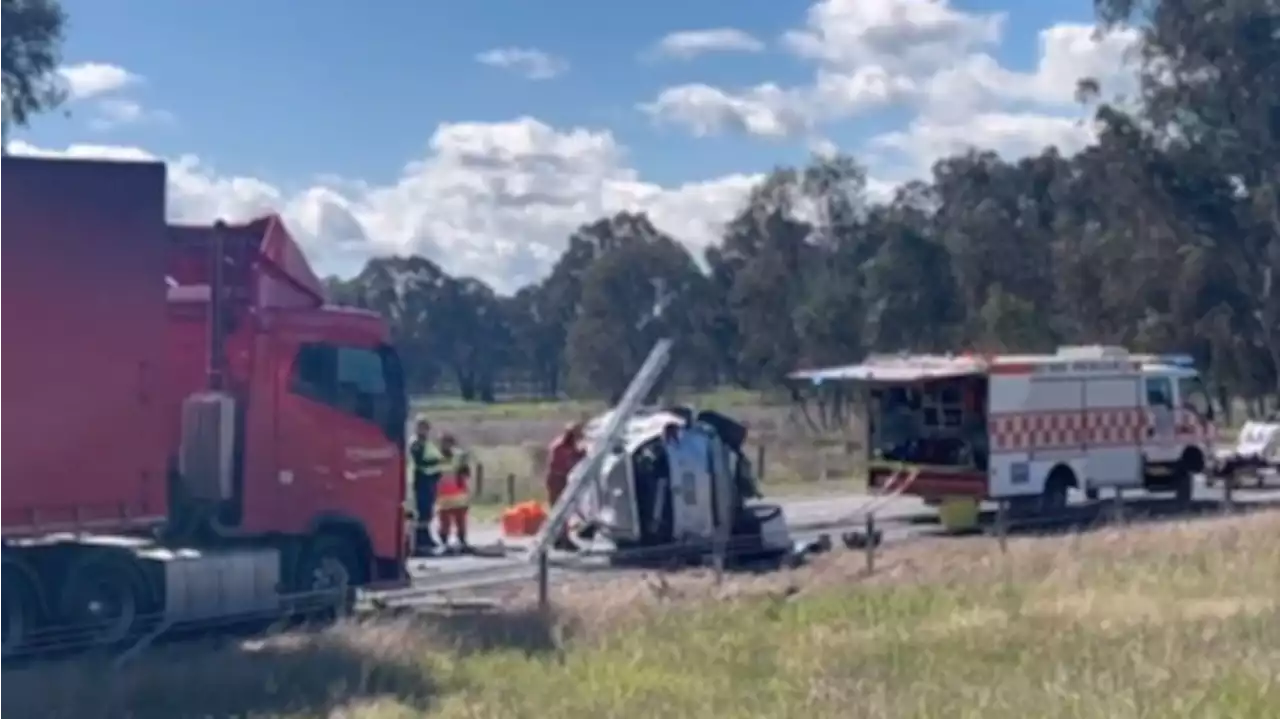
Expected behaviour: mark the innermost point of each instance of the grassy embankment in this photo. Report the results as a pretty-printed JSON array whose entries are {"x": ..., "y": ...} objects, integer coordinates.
[{"x": 1146, "y": 621}]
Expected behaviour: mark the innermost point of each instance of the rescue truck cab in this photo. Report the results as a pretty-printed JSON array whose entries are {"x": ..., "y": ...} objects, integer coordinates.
[
  {"x": 1180, "y": 434},
  {"x": 1026, "y": 429}
]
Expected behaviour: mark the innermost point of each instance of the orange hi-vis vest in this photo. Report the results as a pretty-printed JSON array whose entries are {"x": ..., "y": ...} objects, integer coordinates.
[{"x": 451, "y": 492}]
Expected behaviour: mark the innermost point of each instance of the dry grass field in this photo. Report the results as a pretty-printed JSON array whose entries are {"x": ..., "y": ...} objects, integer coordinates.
[
  {"x": 510, "y": 440},
  {"x": 1174, "y": 620}
]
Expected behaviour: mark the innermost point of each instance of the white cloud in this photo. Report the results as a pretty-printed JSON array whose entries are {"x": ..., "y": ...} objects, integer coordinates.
[
  {"x": 1068, "y": 53},
  {"x": 764, "y": 110},
  {"x": 114, "y": 112},
  {"x": 1012, "y": 135},
  {"x": 102, "y": 86},
  {"x": 925, "y": 55},
  {"x": 687, "y": 44},
  {"x": 531, "y": 63},
  {"x": 492, "y": 200},
  {"x": 902, "y": 35},
  {"x": 768, "y": 110},
  {"x": 92, "y": 79}
]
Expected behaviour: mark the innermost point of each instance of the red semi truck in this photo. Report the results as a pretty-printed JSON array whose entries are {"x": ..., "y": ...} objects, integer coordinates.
[{"x": 190, "y": 432}]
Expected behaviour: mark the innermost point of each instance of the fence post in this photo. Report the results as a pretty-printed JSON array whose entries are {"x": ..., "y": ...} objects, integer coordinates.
[
  {"x": 1117, "y": 506},
  {"x": 1002, "y": 525},
  {"x": 544, "y": 581},
  {"x": 760, "y": 463},
  {"x": 871, "y": 543},
  {"x": 1229, "y": 491},
  {"x": 479, "y": 491},
  {"x": 511, "y": 489}
]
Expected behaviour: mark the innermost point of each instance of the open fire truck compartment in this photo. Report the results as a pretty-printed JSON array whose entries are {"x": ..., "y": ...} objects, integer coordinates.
[{"x": 84, "y": 311}]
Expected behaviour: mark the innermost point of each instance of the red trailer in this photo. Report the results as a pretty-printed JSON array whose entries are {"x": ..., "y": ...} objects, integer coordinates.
[{"x": 190, "y": 433}]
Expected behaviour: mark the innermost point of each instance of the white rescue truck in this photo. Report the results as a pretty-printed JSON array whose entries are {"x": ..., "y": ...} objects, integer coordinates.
[{"x": 1028, "y": 428}]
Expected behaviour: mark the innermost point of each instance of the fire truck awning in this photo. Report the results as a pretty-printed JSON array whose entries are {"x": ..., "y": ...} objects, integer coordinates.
[{"x": 917, "y": 369}]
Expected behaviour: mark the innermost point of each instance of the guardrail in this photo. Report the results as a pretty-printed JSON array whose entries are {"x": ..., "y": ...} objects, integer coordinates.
[{"x": 859, "y": 530}]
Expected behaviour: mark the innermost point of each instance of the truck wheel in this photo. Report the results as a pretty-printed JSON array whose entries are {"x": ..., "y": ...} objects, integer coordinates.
[
  {"x": 21, "y": 610},
  {"x": 1054, "y": 500},
  {"x": 327, "y": 575},
  {"x": 101, "y": 599}
]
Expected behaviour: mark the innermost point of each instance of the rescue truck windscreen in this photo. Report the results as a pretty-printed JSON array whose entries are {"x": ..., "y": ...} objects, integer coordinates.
[{"x": 1172, "y": 381}]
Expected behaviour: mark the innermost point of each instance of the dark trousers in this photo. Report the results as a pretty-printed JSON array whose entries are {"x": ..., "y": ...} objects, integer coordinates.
[{"x": 424, "y": 497}]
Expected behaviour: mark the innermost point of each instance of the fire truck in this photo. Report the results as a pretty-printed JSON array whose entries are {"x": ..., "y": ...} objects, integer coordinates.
[
  {"x": 1029, "y": 428},
  {"x": 190, "y": 432}
]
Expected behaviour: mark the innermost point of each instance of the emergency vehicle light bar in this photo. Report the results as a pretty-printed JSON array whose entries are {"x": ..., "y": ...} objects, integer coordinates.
[
  {"x": 1092, "y": 352},
  {"x": 1182, "y": 360}
]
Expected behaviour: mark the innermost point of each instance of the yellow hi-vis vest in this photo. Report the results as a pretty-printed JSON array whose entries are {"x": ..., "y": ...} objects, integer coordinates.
[{"x": 451, "y": 492}]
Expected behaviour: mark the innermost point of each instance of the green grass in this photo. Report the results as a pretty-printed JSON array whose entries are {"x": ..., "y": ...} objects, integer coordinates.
[
  {"x": 1155, "y": 621},
  {"x": 452, "y": 408}
]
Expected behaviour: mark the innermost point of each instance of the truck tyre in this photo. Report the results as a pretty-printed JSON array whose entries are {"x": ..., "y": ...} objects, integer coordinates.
[
  {"x": 102, "y": 599},
  {"x": 326, "y": 576},
  {"x": 21, "y": 609},
  {"x": 1053, "y": 502}
]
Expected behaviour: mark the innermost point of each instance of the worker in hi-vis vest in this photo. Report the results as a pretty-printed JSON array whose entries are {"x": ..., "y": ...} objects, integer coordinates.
[
  {"x": 427, "y": 466},
  {"x": 452, "y": 493}
]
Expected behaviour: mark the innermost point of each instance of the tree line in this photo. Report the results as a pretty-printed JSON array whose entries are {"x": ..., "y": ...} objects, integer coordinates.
[{"x": 1164, "y": 235}]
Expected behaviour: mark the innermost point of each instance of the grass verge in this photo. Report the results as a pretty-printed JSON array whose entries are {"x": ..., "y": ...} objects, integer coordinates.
[{"x": 1152, "y": 621}]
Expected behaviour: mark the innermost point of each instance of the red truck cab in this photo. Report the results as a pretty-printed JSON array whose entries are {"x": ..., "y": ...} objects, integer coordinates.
[
  {"x": 321, "y": 411},
  {"x": 191, "y": 432}
]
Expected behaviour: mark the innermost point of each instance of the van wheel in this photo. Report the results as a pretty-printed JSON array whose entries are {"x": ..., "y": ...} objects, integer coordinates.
[
  {"x": 326, "y": 576},
  {"x": 101, "y": 599},
  {"x": 21, "y": 610}
]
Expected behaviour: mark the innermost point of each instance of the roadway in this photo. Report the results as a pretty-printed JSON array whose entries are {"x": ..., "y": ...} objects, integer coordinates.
[{"x": 899, "y": 519}]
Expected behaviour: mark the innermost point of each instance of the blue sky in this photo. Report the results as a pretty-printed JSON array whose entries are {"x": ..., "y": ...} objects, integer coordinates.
[{"x": 270, "y": 91}]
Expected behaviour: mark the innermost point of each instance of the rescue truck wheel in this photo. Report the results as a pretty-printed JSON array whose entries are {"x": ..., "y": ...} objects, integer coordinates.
[
  {"x": 327, "y": 574},
  {"x": 101, "y": 598},
  {"x": 1054, "y": 500},
  {"x": 21, "y": 609}
]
